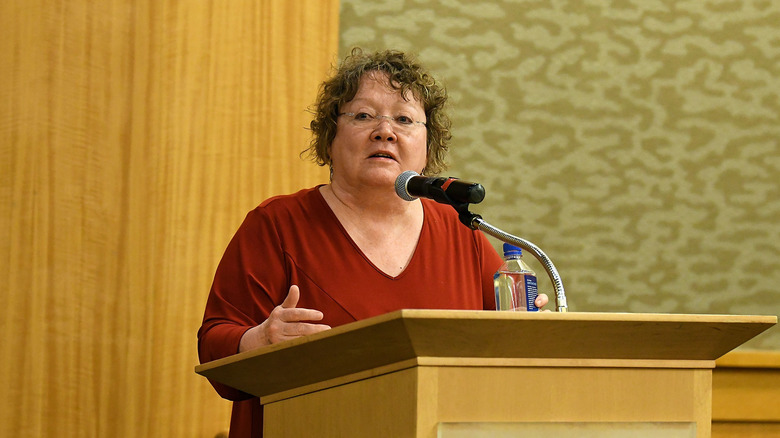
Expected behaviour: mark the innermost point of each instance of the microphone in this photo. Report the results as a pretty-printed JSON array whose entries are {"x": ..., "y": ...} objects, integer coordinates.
[{"x": 410, "y": 185}]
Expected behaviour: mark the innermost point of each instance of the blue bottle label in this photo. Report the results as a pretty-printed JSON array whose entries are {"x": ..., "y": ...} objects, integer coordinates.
[{"x": 531, "y": 293}]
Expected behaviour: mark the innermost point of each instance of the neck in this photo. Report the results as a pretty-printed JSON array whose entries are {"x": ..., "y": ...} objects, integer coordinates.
[
  {"x": 385, "y": 227},
  {"x": 377, "y": 204}
]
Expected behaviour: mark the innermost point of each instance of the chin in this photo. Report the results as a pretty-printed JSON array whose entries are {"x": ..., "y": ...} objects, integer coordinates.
[{"x": 378, "y": 178}]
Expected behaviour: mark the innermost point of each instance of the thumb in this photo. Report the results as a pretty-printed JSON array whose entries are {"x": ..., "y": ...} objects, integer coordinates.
[{"x": 292, "y": 297}]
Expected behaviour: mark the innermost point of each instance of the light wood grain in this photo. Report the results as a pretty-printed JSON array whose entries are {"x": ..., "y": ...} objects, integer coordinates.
[
  {"x": 760, "y": 429},
  {"x": 573, "y": 395},
  {"x": 750, "y": 359},
  {"x": 419, "y": 399},
  {"x": 407, "y": 334},
  {"x": 134, "y": 137},
  {"x": 479, "y": 366},
  {"x": 384, "y": 406},
  {"x": 746, "y": 395}
]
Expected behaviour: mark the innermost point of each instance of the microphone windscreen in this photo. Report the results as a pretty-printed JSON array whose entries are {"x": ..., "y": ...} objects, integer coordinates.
[{"x": 401, "y": 182}]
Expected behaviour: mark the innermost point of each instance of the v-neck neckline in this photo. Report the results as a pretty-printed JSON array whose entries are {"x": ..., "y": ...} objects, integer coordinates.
[{"x": 360, "y": 251}]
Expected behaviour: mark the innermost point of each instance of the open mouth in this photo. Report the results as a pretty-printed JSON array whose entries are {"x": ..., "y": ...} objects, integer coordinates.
[{"x": 382, "y": 155}]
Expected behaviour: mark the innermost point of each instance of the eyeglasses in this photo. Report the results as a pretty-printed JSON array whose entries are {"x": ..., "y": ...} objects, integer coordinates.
[{"x": 365, "y": 120}]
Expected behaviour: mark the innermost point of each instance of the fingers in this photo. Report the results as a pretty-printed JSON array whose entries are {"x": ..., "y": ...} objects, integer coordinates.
[
  {"x": 286, "y": 320},
  {"x": 296, "y": 330},
  {"x": 292, "y": 297},
  {"x": 288, "y": 311},
  {"x": 298, "y": 314},
  {"x": 541, "y": 300},
  {"x": 278, "y": 331}
]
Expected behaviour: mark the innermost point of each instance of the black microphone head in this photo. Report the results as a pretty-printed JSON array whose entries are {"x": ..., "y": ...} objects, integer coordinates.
[{"x": 401, "y": 182}]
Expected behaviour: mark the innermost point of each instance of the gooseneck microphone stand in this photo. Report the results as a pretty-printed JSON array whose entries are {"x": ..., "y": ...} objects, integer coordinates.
[
  {"x": 475, "y": 222},
  {"x": 436, "y": 189}
]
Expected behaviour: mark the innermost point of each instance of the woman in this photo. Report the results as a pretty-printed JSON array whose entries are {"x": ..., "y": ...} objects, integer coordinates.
[{"x": 351, "y": 249}]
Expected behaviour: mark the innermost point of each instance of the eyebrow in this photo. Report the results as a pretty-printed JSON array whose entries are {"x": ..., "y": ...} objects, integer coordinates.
[{"x": 406, "y": 103}]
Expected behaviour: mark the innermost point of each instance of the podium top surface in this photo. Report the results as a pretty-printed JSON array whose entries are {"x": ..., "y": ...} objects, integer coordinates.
[{"x": 411, "y": 334}]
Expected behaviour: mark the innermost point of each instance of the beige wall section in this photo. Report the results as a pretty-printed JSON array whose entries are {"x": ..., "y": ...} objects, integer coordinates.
[
  {"x": 134, "y": 136},
  {"x": 637, "y": 143}
]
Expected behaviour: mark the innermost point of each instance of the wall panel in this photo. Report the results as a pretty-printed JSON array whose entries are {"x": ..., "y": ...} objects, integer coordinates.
[
  {"x": 134, "y": 136},
  {"x": 637, "y": 143}
]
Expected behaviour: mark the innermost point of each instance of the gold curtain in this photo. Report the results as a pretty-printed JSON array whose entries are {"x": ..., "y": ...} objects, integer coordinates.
[{"x": 134, "y": 136}]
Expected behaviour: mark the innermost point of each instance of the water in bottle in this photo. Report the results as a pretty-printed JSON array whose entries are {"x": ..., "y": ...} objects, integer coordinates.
[{"x": 515, "y": 283}]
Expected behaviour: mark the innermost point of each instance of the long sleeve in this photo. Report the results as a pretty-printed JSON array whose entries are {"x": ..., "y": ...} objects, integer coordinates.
[{"x": 249, "y": 282}]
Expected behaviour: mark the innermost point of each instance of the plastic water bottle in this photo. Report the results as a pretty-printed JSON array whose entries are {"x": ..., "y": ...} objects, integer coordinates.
[{"x": 515, "y": 283}]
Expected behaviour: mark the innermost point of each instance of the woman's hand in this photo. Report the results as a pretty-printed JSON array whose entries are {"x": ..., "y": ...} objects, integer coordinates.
[
  {"x": 284, "y": 322},
  {"x": 541, "y": 301}
]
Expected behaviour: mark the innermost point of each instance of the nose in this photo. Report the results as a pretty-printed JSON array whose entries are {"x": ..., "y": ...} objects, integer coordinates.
[{"x": 384, "y": 131}]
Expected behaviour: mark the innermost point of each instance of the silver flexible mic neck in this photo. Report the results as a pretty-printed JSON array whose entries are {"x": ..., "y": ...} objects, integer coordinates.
[{"x": 475, "y": 222}]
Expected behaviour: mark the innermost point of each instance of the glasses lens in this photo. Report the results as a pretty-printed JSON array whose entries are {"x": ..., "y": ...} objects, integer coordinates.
[{"x": 400, "y": 123}]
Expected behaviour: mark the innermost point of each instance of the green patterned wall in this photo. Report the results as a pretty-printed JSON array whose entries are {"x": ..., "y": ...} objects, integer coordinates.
[{"x": 636, "y": 142}]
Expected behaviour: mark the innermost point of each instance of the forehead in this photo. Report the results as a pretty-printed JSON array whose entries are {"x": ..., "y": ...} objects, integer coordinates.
[{"x": 376, "y": 86}]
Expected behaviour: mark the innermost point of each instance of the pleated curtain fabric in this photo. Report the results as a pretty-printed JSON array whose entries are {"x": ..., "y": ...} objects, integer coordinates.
[{"x": 134, "y": 137}]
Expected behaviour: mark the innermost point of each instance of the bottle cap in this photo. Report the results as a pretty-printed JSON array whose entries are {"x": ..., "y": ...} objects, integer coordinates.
[{"x": 511, "y": 250}]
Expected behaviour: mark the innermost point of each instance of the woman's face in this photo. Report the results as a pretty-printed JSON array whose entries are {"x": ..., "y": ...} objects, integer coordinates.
[{"x": 369, "y": 148}]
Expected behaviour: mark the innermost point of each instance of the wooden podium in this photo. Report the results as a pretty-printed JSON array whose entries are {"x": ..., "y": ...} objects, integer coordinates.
[{"x": 452, "y": 374}]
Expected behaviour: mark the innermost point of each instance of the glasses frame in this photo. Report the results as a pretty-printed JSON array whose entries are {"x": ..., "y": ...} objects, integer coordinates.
[{"x": 377, "y": 118}]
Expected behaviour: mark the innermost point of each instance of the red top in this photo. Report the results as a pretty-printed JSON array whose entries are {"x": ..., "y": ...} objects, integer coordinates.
[{"x": 296, "y": 239}]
